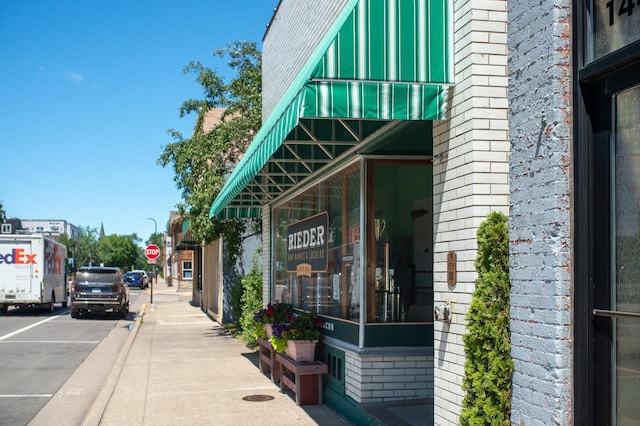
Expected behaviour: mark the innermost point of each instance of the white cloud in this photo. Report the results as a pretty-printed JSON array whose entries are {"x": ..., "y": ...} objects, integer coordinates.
[{"x": 74, "y": 77}]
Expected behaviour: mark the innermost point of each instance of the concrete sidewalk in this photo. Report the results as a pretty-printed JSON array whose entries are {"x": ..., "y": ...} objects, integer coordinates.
[{"x": 178, "y": 367}]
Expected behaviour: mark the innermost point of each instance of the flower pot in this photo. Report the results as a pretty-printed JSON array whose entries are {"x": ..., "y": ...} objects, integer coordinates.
[
  {"x": 301, "y": 350},
  {"x": 268, "y": 328}
]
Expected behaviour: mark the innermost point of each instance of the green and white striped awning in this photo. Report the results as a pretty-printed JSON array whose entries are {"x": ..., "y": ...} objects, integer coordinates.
[{"x": 383, "y": 60}]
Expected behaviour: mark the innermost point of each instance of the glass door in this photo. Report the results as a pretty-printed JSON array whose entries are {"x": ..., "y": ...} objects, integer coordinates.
[
  {"x": 617, "y": 311},
  {"x": 626, "y": 276}
]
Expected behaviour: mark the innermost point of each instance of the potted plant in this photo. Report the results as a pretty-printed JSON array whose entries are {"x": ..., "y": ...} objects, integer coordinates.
[
  {"x": 298, "y": 338},
  {"x": 273, "y": 313}
]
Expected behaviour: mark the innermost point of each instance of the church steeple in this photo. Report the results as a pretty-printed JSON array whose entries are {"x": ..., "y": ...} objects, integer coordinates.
[{"x": 101, "y": 231}]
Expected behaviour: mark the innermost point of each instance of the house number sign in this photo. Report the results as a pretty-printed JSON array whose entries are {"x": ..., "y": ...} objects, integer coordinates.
[
  {"x": 616, "y": 24},
  {"x": 451, "y": 268}
]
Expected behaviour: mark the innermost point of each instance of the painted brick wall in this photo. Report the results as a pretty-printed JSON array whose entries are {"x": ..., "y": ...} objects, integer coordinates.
[
  {"x": 266, "y": 256},
  {"x": 381, "y": 378},
  {"x": 293, "y": 35},
  {"x": 540, "y": 221},
  {"x": 471, "y": 179}
]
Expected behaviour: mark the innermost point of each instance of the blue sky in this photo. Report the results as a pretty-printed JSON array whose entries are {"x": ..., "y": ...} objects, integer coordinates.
[{"x": 88, "y": 90}]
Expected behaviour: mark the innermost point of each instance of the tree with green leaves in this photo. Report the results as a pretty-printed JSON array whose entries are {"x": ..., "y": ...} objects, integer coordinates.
[
  {"x": 83, "y": 250},
  {"x": 3, "y": 215},
  {"x": 121, "y": 251},
  {"x": 488, "y": 366},
  {"x": 202, "y": 162}
]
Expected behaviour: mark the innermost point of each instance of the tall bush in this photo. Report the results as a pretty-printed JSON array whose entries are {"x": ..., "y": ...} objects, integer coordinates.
[
  {"x": 488, "y": 366},
  {"x": 250, "y": 303}
]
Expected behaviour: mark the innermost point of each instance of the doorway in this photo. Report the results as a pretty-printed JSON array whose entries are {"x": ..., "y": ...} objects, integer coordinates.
[{"x": 613, "y": 358}]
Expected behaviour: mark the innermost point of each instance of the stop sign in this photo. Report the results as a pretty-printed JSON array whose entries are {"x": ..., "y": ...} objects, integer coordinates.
[{"x": 152, "y": 251}]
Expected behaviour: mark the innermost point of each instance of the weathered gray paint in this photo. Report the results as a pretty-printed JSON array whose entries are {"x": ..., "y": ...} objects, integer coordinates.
[{"x": 540, "y": 222}]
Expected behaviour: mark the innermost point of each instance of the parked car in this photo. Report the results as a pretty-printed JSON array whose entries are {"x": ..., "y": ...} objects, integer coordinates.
[
  {"x": 135, "y": 279},
  {"x": 147, "y": 280},
  {"x": 99, "y": 289}
]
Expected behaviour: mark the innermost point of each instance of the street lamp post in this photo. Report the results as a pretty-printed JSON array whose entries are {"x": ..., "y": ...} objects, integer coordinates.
[{"x": 155, "y": 266}]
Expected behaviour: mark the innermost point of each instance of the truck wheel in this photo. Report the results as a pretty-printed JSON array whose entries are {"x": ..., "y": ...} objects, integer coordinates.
[
  {"x": 75, "y": 313},
  {"x": 48, "y": 307},
  {"x": 4, "y": 309}
]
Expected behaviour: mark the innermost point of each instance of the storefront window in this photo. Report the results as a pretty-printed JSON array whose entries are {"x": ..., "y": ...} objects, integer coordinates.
[
  {"x": 614, "y": 25},
  {"x": 316, "y": 247},
  {"x": 187, "y": 269},
  {"x": 399, "y": 275},
  {"x": 318, "y": 238}
]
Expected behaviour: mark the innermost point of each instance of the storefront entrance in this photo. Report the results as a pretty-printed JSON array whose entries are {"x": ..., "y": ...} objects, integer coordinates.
[
  {"x": 612, "y": 328},
  {"x": 607, "y": 214},
  {"x": 617, "y": 294}
]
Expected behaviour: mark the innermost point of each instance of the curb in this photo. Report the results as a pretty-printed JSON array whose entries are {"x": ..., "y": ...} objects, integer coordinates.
[{"x": 99, "y": 406}]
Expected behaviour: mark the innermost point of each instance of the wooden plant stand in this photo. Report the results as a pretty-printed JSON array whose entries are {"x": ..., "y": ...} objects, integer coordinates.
[
  {"x": 304, "y": 379},
  {"x": 267, "y": 361}
]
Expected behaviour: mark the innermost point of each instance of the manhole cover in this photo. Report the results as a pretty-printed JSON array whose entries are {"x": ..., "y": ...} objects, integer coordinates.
[{"x": 257, "y": 398}]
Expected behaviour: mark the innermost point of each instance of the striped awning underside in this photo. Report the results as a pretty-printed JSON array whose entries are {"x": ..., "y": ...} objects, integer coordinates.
[{"x": 383, "y": 60}]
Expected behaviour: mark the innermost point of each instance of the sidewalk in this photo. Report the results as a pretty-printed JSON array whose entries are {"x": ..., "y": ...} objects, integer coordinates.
[{"x": 179, "y": 367}]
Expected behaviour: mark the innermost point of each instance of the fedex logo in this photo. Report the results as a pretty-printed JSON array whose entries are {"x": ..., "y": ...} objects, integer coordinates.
[{"x": 18, "y": 257}]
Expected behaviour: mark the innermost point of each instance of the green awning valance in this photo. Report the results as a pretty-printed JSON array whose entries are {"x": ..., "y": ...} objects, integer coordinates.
[{"x": 383, "y": 60}]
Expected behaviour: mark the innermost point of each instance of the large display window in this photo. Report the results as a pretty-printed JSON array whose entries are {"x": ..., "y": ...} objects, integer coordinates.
[
  {"x": 331, "y": 287},
  {"x": 330, "y": 256},
  {"x": 400, "y": 255}
]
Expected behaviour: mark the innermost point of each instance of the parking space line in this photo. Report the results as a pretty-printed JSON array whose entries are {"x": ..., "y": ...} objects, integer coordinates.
[
  {"x": 6, "y": 336},
  {"x": 87, "y": 342},
  {"x": 46, "y": 395}
]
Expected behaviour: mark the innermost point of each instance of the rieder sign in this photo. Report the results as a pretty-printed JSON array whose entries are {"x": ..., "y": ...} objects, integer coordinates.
[{"x": 307, "y": 243}]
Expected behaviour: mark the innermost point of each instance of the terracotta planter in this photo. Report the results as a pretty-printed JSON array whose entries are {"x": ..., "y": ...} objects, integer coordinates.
[
  {"x": 301, "y": 350},
  {"x": 268, "y": 329}
]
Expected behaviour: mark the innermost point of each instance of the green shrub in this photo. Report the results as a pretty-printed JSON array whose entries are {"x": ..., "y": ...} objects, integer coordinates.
[
  {"x": 250, "y": 303},
  {"x": 488, "y": 367}
]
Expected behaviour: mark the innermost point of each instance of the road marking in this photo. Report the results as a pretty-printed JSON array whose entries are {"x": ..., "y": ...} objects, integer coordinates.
[
  {"x": 6, "y": 336},
  {"x": 46, "y": 395},
  {"x": 88, "y": 342}
]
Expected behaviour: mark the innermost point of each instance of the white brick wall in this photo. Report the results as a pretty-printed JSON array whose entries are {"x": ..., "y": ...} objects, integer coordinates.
[
  {"x": 381, "y": 378},
  {"x": 471, "y": 179},
  {"x": 266, "y": 256}
]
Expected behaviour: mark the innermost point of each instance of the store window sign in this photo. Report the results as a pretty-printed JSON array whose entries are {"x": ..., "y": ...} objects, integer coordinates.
[
  {"x": 616, "y": 24},
  {"x": 307, "y": 243}
]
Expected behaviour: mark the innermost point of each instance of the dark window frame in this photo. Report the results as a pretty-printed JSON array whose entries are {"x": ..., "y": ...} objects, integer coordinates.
[{"x": 593, "y": 83}]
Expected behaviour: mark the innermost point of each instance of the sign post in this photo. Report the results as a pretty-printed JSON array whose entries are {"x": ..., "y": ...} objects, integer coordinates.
[{"x": 152, "y": 252}]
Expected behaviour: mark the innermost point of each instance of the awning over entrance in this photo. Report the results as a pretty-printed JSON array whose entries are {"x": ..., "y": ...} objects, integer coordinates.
[
  {"x": 383, "y": 60},
  {"x": 187, "y": 242}
]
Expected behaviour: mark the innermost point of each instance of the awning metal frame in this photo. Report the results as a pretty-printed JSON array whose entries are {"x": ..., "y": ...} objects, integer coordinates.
[{"x": 291, "y": 164}]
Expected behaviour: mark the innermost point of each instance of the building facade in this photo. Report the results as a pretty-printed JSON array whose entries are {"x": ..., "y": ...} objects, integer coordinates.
[
  {"x": 574, "y": 100},
  {"x": 180, "y": 249},
  {"x": 372, "y": 173},
  {"x": 384, "y": 145},
  {"x": 51, "y": 227}
]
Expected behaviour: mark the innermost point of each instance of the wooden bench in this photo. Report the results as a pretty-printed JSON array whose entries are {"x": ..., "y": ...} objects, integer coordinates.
[
  {"x": 304, "y": 379},
  {"x": 267, "y": 361}
]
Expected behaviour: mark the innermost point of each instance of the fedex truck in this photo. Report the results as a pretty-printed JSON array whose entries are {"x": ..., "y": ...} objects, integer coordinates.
[{"x": 33, "y": 272}]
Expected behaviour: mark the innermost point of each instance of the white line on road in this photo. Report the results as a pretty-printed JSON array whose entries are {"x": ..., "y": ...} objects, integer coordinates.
[
  {"x": 47, "y": 395},
  {"x": 88, "y": 342},
  {"x": 6, "y": 336}
]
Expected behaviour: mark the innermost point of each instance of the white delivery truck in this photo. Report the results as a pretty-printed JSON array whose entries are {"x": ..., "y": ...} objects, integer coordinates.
[{"x": 33, "y": 271}]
